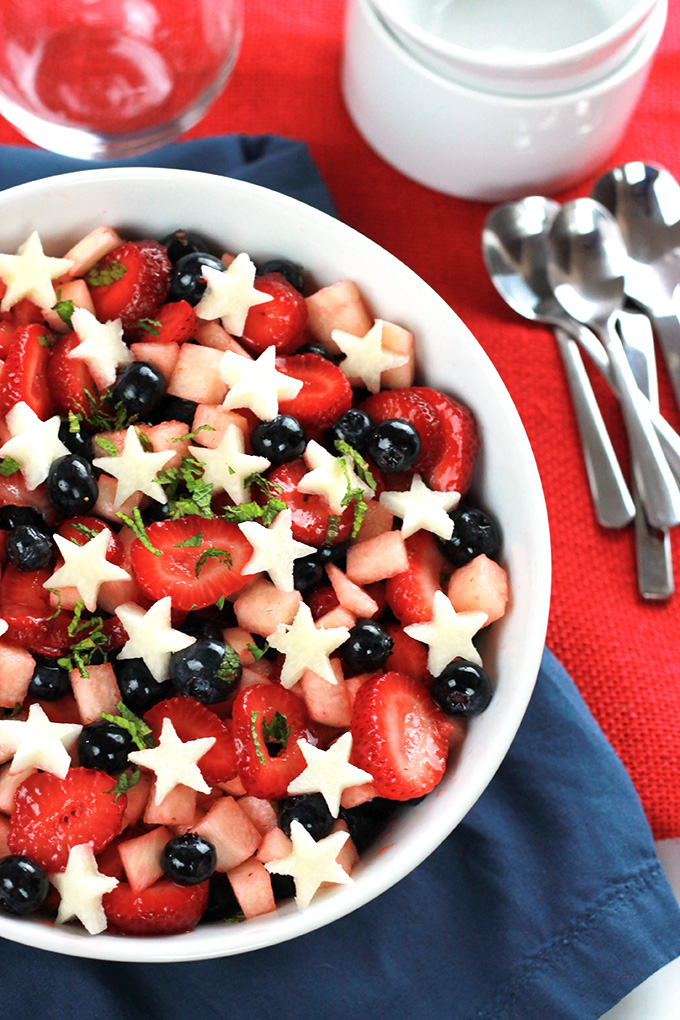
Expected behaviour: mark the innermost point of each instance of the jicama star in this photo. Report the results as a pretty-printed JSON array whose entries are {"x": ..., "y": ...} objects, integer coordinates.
[
  {"x": 257, "y": 384},
  {"x": 274, "y": 549},
  {"x": 422, "y": 508},
  {"x": 448, "y": 634},
  {"x": 151, "y": 636},
  {"x": 228, "y": 465},
  {"x": 174, "y": 761},
  {"x": 29, "y": 274},
  {"x": 230, "y": 295},
  {"x": 306, "y": 646},
  {"x": 35, "y": 444},
  {"x": 82, "y": 887},
  {"x": 328, "y": 478},
  {"x": 328, "y": 772},
  {"x": 36, "y": 742},
  {"x": 101, "y": 347},
  {"x": 135, "y": 469},
  {"x": 86, "y": 567},
  {"x": 365, "y": 357},
  {"x": 311, "y": 862}
]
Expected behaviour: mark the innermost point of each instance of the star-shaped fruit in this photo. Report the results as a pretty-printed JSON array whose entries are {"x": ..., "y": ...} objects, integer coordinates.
[
  {"x": 35, "y": 444},
  {"x": 4, "y": 627},
  {"x": 174, "y": 761},
  {"x": 311, "y": 863},
  {"x": 365, "y": 357},
  {"x": 306, "y": 646},
  {"x": 230, "y": 295},
  {"x": 328, "y": 772},
  {"x": 329, "y": 478},
  {"x": 448, "y": 634},
  {"x": 228, "y": 465},
  {"x": 135, "y": 469},
  {"x": 275, "y": 549},
  {"x": 101, "y": 346},
  {"x": 29, "y": 274},
  {"x": 82, "y": 887},
  {"x": 151, "y": 636},
  {"x": 257, "y": 384},
  {"x": 86, "y": 567},
  {"x": 38, "y": 743},
  {"x": 422, "y": 508}
]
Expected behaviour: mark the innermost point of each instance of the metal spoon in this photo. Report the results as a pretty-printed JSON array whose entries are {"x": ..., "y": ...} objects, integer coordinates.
[
  {"x": 586, "y": 265},
  {"x": 645, "y": 201},
  {"x": 514, "y": 249}
]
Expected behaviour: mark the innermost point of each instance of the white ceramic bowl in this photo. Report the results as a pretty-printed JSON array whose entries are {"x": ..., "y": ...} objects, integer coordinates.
[
  {"x": 519, "y": 48},
  {"x": 243, "y": 217},
  {"x": 483, "y": 145}
]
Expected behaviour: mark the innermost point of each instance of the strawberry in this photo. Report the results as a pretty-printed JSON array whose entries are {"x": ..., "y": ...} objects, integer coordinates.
[
  {"x": 322, "y": 600},
  {"x": 280, "y": 322},
  {"x": 399, "y": 735},
  {"x": 161, "y": 909},
  {"x": 410, "y": 594},
  {"x": 310, "y": 513},
  {"x": 407, "y": 404},
  {"x": 194, "y": 575},
  {"x": 69, "y": 379},
  {"x": 24, "y": 376},
  {"x": 325, "y": 394},
  {"x": 460, "y": 443},
  {"x": 130, "y": 283},
  {"x": 25, "y": 587},
  {"x": 81, "y": 529},
  {"x": 6, "y": 337},
  {"x": 193, "y": 720},
  {"x": 38, "y": 629},
  {"x": 263, "y": 773},
  {"x": 51, "y": 815},
  {"x": 173, "y": 323}
]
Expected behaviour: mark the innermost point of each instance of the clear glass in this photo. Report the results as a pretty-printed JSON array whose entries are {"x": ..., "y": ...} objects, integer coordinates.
[{"x": 101, "y": 79}]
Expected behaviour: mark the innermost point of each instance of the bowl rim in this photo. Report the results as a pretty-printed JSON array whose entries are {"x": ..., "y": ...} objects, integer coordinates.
[{"x": 340, "y": 901}]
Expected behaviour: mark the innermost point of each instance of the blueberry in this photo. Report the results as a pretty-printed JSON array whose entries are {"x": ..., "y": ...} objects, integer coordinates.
[
  {"x": 290, "y": 271},
  {"x": 79, "y": 442},
  {"x": 394, "y": 445},
  {"x": 140, "y": 388},
  {"x": 183, "y": 242},
  {"x": 174, "y": 409},
  {"x": 366, "y": 821},
  {"x": 462, "y": 688},
  {"x": 222, "y": 902},
  {"x": 28, "y": 548},
  {"x": 11, "y": 516},
  {"x": 201, "y": 627},
  {"x": 207, "y": 670},
  {"x": 368, "y": 647},
  {"x": 49, "y": 681},
  {"x": 283, "y": 887},
  {"x": 189, "y": 859},
  {"x": 279, "y": 440},
  {"x": 186, "y": 277},
  {"x": 353, "y": 427},
  {"x": 104, "y": 745},
  {"x": 308, "y": 572},
  {"x": 71, "y": 485},
  {"x": 138, "y": 688},
  {"x": 156, "y": 511},
  {"x": 310, "y": 810},
  {"x": 23, "y": 885},
  {"x": 319, "y": 349},
  {"x": 474, "y": 533}
]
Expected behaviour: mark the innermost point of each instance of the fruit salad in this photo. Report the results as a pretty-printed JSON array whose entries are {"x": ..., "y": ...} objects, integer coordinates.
[{"x": 242, "y": 582}]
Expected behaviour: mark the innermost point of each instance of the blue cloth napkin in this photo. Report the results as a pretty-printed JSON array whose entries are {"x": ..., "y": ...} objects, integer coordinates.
[{"x": 548, "y": 902}]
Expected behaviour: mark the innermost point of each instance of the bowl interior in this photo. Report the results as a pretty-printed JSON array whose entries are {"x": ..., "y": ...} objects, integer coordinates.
[{"x": 237, "y": 216}]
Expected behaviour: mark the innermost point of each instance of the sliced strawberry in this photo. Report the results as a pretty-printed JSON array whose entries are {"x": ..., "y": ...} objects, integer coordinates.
[
  {"x": 130, "y": 283},
  {"x": 410, "y": 594},
  {"x": 162, "y": 909},
  {"x": 310, "y": 513},
  {"x": 51, "y": 815},
  {"x": 13, "y": 492},
  {"x": 6, "y": 337},
  {"x": 25, "y": 587},
  {"x": 195, "y": 576},
  {"x": 278, "y": 323},
  {"x": 399, "y": 735},
  {"x": 81, "y": 529},
  {"x": 407, "y": 404},
  {"x": 322, "y": 600},
  {"x": 173, "y": 323},
  {"x": 24, "y": 376},
  {"x": 38, "y": 629},
  {"x": 262, "y": 773},
  {"x": 460, "y": 442},
  {"x": 325, "y": 394},
  {"x": 69, "y": 379},
  {"x": 192, "y": 720},
  {"x": 408, "y": 655}
]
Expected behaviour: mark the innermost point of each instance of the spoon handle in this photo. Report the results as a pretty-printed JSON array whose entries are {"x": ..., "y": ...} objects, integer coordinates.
[
  {"x": 659, "y": 493},
  {"x": 614, "y": 507}
]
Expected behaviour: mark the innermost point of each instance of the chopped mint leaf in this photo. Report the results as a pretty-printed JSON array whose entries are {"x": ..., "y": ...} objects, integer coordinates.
[
  {"x": 126, "y": 780},
  {"x": 73, "y": 422},
  {"x": 236, "y": 918},
  {"x": 190, "y": 543},
  {"x": 8, "y": 466},
  {"x": 212, "y": 554},
  {"x": 57, "y": 592},
  {"x": 242, "y": 513},
  {"x": 270, "y": 489},
  {"x": 89, "y": 533},
  {"x": 191, "y": 435},
  {"x": 354, "y": 494},
  {"x": 230, "y": 667},
  {"x": 137, "y": 525},
  {"x": 276, "y": 731},
  {"x": 361, "y": 466},
  {"x": 220, "y": 602},
  {"x": 64, "y": 310},
  {"x": 256, "y": 652},
  {"x": 136, "y": 727},
  {"x": 91, "y": 640},
  {"x": 256, "y": 739},
  {"x": 108, "y": 446},
  {"x": 152, "y": 326},
  {"x": 102, "y": 416},
  {"x": 45, "y": 340},
  {"x": 105, "y": 273},
  {"x": 186, "y": 491},
  {"x": 332, "y": 529}
]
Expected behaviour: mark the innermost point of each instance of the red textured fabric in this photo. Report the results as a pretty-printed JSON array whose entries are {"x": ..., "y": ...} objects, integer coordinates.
[{"x": 623, "y": 653}]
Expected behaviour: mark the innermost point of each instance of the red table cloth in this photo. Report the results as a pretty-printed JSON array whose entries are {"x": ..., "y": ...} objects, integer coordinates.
[{"x": 622, "y": 652}]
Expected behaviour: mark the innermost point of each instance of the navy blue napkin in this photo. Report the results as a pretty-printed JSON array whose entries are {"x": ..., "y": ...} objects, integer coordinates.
[{"x": 548, "y": 902}]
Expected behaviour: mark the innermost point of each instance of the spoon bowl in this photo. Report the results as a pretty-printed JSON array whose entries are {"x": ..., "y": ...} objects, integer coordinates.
[{"x": 645, "y": 202}]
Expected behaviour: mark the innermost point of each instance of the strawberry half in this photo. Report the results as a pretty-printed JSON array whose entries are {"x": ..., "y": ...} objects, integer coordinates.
[
  {"x": 325, "y": 394},
  {"x": 262, "y": 773},
  {"x": 410, "y": 594},
  {"x": 278, "y": 323},
  {"x": 399, "y": 735},
  {"x": 51, "y": 815},
  {"x": 81, "y": 529},
  {"x": 25, "y": 587},
  {"x": 162, "y": 909},
  {"x": 69, "y": 379},
  {"x": 460, "y": 443},
  {"x": 173, "y": 323},
  {"x": 310, "y": 513},
  {"x": 193, "y": 720},
  {"x": 130, "y": 283},
  {"x": 195, "y": 576},
  {"x": 24, "y": 376},
  {"x": 406, "y": 403}
]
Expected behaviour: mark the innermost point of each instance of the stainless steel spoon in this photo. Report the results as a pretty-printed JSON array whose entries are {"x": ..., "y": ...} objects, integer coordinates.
[
  {"x": 514, "y": 249},
  {"x": 586, "y": 265}
]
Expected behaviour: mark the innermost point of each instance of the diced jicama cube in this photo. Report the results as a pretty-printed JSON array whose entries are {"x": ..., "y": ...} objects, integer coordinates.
[
  {"x": 327, "y": 703},
  {"x": 212, "y": 334},
  {"x": 398, "y": 340},
  {"x": 481, "y": 584},
  {"x": 350, "y": 595},
  {"x": 141, "y": 857},
  {"x": 339, "y": 306},
  {"x": 76, "y": 291},
  {"x": 252, "y": 887},
  {"x": 197, "y": 375},
  {"x": 9, "y": 784},
  {"x": 164, "y": 357},
  {"x": 231, "y": 832},
  {"x": 275, "y": 846},
  {"x": 95, "y": 693},
  {"x": 377, "y": 558},
  {"x": 260, "y": 812},
  {"x": 261, "y": 607},
  {"x": 16, "y": 670},
  {"x": 178, "y": 807},
  {"x": 217, "y": 420},
  {"x": 91, "y": 248}
]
